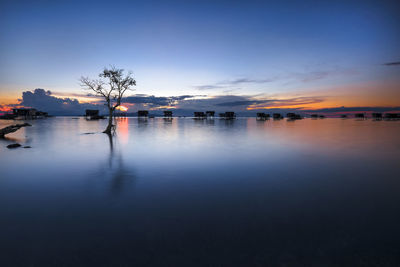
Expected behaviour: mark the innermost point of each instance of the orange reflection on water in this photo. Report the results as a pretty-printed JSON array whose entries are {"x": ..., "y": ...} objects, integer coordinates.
[
  {"x": 123, "y": 130},
  {"x": 327, "y": 136}
]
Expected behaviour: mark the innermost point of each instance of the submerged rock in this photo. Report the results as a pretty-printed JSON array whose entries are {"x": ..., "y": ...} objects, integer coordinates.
[
  {"x": 27, "y": 147},
  {"x": 13, "y": 145}
]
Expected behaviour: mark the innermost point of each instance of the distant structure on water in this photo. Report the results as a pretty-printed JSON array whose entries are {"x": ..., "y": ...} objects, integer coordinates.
[
  {"x": 392, "y": 116},
  {"x": 261, "y": 116},
  {"x": 168, "y": 114},
  {"x": 277, "y": 116},
  {"x": 143, "y": 113},
  {"x": 229, "y": 115},
  {"x": 210, "y": 114},
  {"x": 93, "y": 114},
  {"x": 293, "y": 116},
  {"x": 199, "y": 115},
  {"x": 360, "y": 116},
  {"x": 25, "y": 114},
  {"x": 377, "y": 116}
]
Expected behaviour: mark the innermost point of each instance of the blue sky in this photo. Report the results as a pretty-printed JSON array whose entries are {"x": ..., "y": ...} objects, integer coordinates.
[{"x": 252, "y": 48}]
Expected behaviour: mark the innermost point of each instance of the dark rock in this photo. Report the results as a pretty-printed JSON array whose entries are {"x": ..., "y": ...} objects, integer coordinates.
[
  {"x": 27, "y": 147},
  {"x": 12, "y": 128},
  {"x": 13, "y": 145}
]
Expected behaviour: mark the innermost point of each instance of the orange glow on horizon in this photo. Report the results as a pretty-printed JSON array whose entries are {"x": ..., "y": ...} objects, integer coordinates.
[{"x": 122, "y": 108}]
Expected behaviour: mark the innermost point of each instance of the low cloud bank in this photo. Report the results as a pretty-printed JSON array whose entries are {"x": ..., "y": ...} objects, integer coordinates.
[
  {"x": 185, "y": 105},
  {"x": 43, "y": 100}
]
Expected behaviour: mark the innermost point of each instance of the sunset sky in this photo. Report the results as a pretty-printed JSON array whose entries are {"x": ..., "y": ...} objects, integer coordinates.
[{"x": 239, "y": 55}]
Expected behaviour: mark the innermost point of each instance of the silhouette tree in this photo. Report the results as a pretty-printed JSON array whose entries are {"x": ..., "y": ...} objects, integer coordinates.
[{"x": 111, "y": 86}]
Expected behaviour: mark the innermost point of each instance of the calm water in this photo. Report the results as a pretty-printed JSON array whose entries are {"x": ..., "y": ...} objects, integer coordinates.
[{"x": 201, "y": 193}]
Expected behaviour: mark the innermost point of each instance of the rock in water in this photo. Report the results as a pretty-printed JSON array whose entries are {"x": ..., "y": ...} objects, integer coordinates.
[
  {"x": 12, "y": 128},
  {"x": 13, "y": 145},
  {"x": 27, "y": 146}
]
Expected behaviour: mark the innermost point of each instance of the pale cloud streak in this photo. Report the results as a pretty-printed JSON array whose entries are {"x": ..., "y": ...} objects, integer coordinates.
[{"x": 293, "y": 77}]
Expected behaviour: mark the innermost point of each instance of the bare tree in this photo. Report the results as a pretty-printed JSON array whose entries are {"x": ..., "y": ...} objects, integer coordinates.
[{"x": 111, "y": 86}]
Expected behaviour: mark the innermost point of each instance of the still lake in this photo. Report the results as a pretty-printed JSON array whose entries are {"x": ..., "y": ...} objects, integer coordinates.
[{"x": 310, "y": 192}]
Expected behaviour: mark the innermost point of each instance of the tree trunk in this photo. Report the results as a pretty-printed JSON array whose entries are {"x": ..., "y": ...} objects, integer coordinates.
[
  {"x": 110, "y": 120},
  {"x": 12, "y": 128}
]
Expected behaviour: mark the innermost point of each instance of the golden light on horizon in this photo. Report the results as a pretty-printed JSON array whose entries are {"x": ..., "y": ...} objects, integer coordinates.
[{"x": 122, "y": 108}]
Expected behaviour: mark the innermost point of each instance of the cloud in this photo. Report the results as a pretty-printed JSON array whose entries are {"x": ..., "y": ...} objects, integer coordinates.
[
  {"x": 354, "y": 109},
  {"x": 244, "y": 105},
  {"x": 395, "y": 63},
  {"x": 80, "y": 95},
  {"x": 44, "y": 100},
  {"x": 156, "y": 101},
  {"x": 248, "y": 80},
  {"x": 4, "y": 108},
  {"x": 304, "y": 77},
  {"x": 240, "y": 103},
  {"x": 47, "y": 101},
  {"x": 312, "y": 76},
  {"x": 264, "y": 103},
  {"x": 208, "y": 87},
  {"x": 235, "y": 82}
]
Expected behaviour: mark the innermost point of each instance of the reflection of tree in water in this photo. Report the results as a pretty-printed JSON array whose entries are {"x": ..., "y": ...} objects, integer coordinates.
[
  {"x": 121, "y": 177},
  {"x": 114, "y": 172}
]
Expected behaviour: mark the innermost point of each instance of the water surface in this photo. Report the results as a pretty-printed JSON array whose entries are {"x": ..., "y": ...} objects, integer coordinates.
[{"x": 201, "y": 193}]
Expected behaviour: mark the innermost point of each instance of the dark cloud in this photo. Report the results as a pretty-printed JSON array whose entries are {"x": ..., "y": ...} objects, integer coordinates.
[
  {"x": 47, "y": 101},
  {"x": 154, "y": 101},
  {"x": 63, "y": 94},
  {"x": 395, "y": 63},
  {"x": 44, "y": 100},
  {"x": 240, "y": 103}
]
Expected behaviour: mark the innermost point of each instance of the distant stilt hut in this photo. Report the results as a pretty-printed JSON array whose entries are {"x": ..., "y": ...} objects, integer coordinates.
[
  {"x": 314, "y": 116},
  {"x": 360, "y": 116},
  {"x": 290, "y": 115},
  {"x": 322, "y": 116},
  {"x": 222, "y": 115},
  {"x": 41, "y": 114},
  {"x": 293, "y": 116},
  {"x": 199, "y": 115},
  {"x": 343, "y": 116},
  {"x": 93, "y": 114},
  {"x": 210, "y": 114},
  {"x": 24, "y": 113},
  {"x": 167, "y": 114},
  {"x": 277, "y": 116},
  {"x": 229, "y": 115},
  {"x": 120, "y": 114},
  {"x": 143, "y": 113},
  {"x": 392, "y": 116},
  {"x": 377, "y": 116},
  {"x": 261, "y": 116}
]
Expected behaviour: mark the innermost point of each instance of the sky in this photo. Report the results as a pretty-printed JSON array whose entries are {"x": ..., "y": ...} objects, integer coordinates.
[{"x": 195, "y": 55}]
